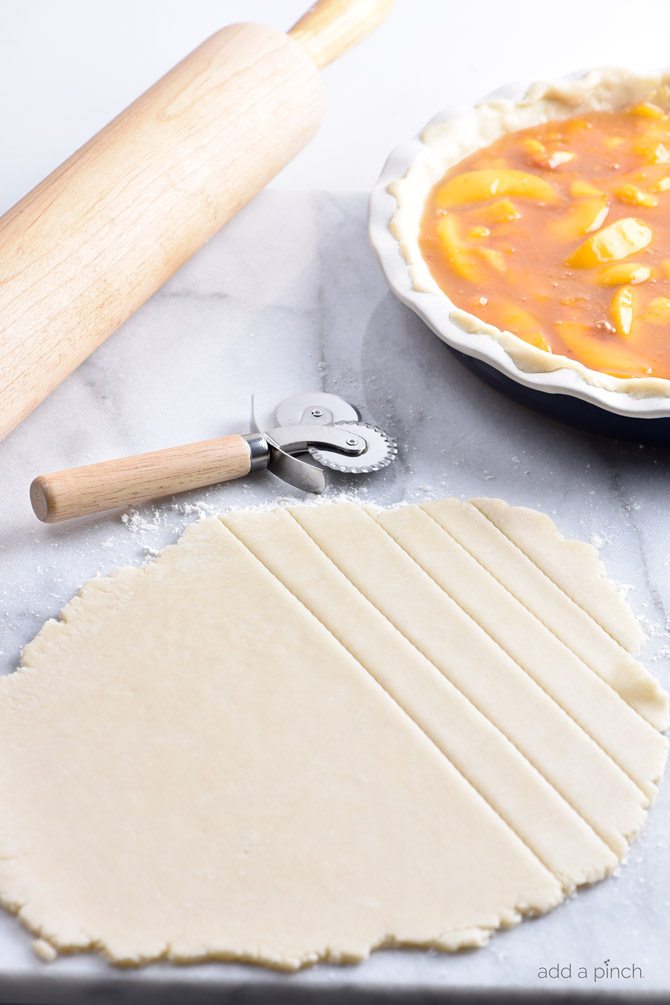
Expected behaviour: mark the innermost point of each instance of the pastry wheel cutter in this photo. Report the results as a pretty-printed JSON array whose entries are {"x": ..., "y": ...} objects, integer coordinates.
[{"x": 318, "y": 424}]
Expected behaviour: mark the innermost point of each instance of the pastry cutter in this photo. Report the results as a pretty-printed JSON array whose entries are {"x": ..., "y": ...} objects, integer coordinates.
[{"x": 320, "y": 425}]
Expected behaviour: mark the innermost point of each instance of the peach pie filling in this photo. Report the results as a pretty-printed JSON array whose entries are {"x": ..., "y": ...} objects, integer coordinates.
[{"x": 561, "y": 234}]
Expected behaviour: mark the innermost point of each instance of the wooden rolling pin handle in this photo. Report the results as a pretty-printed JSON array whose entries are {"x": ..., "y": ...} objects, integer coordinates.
[
  {"x": 332, "y": 27},
  {"x": 111, "y": 484}
]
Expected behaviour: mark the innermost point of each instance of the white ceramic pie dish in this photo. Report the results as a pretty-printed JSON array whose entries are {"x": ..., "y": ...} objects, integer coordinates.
[{"x": 505, "y": 353}]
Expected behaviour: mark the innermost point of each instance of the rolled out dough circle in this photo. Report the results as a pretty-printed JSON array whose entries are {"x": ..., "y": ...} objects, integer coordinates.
[{"x": 304, "y": 733}]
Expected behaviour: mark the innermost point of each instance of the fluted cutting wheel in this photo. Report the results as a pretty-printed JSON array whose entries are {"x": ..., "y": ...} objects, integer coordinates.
[{"x": 380, "y": 451}]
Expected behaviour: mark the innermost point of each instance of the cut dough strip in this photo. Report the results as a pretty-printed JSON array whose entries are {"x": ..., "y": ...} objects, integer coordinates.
[
  {"x": 551, "y": 605},
  {"x": 573, "y": 566}
]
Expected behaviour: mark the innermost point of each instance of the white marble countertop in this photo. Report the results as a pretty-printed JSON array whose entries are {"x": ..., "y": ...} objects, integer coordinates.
[{"x": 288, "y": 297}]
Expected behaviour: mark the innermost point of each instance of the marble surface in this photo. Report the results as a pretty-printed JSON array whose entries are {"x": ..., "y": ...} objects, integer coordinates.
[{"x": 288, "y": 297}]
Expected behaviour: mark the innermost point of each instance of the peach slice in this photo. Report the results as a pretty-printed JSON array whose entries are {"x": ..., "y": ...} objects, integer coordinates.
[
  {"x": 606, "y": 355},
  {"x": 623, "y": 238},
  {"x": 522, "y": 323},
  {"x": 502, "y": 211},
  {"x": 584, "y": 216},
  {"x": 494, "y": 258},
  {"x": 461, "y": 258},
  {"x": 580, "y": 188},
  {"x": 635, "y": 196},
  {"x": 648, "y": 110},
  {"x": 658, "y": 311},
  {"x": 540, "y": 156},
  {"x": 652, "y": 148},
  {"x": 478, "y": 186},
  {"x": 621, "y": 310},
  {"x": 623, "y": 274}
]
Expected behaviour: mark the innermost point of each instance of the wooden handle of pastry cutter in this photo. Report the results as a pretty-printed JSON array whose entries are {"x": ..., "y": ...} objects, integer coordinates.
[
  {"x": 82, "y": 251},
  {"x": 111, "y": 484}
]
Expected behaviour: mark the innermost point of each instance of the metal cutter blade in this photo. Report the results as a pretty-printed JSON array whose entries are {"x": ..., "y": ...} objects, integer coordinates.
[
  {"x": 320, "y": 407},
  {"x": 316, "y": 424},
  {"x": 380, "y": 451}
]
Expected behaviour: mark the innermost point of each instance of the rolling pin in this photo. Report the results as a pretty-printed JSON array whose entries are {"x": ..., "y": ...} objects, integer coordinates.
[{"x": 93, "y": 241}]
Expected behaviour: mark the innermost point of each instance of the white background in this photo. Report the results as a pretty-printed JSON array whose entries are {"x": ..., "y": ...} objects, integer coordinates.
[{"x": 68, "y": 66}]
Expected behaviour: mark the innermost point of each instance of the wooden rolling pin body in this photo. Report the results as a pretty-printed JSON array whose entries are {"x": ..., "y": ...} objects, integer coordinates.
[
  {"x": 92, "y": 242},
  {"x": 95, "y": 239}
]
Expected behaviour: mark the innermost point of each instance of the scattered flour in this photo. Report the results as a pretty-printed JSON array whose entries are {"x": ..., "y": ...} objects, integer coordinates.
[{"x": 136, "y": 521}]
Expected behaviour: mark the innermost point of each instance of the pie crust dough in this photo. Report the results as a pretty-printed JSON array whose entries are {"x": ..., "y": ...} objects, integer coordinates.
[
  {"x": 301, "y": 734},
  {"x": 446, "y": 143}
]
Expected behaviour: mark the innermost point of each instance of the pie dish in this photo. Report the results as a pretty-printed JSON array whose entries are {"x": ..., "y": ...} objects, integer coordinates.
[{"x": 563, "y": 386}]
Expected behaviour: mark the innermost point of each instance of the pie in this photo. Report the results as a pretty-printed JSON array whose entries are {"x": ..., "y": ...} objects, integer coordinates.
[{"x": 545, "y": 223}]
